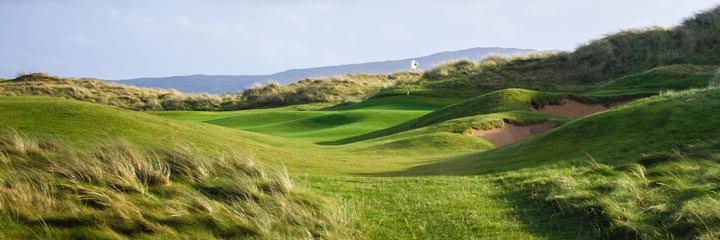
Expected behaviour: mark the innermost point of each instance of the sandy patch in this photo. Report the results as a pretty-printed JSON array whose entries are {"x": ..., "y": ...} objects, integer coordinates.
[
  {"x": 510, "y": 133},
  {"x": 574, "y": 109}
]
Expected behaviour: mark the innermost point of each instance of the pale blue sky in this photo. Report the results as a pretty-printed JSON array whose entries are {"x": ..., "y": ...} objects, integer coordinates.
[{"x": 149, "y": 38}]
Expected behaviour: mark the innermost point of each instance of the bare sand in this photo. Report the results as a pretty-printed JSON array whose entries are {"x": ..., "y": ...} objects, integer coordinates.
[
  {"x": 574, "y": 109},
  {"x": 510, "y": 133}
]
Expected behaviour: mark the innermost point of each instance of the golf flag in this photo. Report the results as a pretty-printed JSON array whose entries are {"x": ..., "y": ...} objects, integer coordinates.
[{"x": 414, "y": 64}]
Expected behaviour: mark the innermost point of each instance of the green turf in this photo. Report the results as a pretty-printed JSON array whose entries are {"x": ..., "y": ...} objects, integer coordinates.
[
  {"x": 405, "y": 167},
  {"x": 673, "y": 77},
  {"x": 647, "y": 125},
  {"x": 445, "y": 208},
  {"x": 493, "y": 102},
  {"x": 392, "y": 166},
  {"x": 317, "y": 126},
  {"x": 613, "y": 137},
  {"x": 402, "y": 102},
  {"x": 496, "y": 203}
]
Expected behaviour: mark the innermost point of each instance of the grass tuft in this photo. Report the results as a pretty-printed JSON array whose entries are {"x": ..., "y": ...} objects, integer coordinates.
[{"x": 117, "y": 189}]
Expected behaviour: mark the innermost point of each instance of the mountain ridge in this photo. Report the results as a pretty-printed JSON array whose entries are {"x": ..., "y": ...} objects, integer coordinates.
[{"x": 207, "y": 83}]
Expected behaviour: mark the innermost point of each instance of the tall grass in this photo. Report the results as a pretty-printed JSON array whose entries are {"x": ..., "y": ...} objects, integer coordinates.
[
  {"x": 695, "y": 41},
  {"x": 95, "y": 91},
  {"x": 338, "y": 89},
  {"x": 661, "y": 195},
  {"x": 115, "y": 190}
]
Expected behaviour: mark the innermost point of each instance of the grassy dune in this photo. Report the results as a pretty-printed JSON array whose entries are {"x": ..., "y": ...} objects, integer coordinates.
[
  {"x": 111, "y": 190},
  {"x": 505, "y": 100},
  {"x": 394, "y": 166},
  {"x": 628, "y": 52}
]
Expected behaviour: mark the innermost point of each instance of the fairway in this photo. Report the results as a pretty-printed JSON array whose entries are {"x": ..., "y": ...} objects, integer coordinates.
[
  {"x": 397, "y": 207},
  {"x": 618, "y": 138},
  {"x": 388, "y": 206}
]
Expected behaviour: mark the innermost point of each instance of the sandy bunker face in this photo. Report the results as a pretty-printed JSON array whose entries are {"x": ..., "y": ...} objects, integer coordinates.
[
  {"x": 510, "y": 133},
  {"x": 574, "y": 109}
]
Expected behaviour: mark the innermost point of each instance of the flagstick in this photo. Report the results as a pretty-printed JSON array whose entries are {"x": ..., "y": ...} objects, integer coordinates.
[{"x": 413, "y": 65}]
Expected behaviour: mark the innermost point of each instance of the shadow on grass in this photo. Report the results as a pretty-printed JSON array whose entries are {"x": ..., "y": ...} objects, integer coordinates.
[
  {"x": 543, "y": 219},
  {"x": 493, "y": 161},
  {"x": 535, "y": 216}
]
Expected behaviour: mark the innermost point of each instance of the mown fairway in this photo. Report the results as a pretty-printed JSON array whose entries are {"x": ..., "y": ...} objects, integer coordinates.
[
  {"x": 433, "y": 207},
  {"x": 366, "y": 177}
]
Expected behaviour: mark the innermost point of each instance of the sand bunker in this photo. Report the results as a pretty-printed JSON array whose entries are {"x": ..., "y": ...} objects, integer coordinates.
[
  {"x": 574, "y": 109},
  {"x": 510, "y": 133}
]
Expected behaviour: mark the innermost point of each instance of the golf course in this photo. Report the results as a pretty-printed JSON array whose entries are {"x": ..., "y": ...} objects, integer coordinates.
[{"x": 618, "y": 139}]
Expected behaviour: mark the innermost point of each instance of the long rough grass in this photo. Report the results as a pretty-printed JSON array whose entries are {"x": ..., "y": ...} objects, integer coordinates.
[
  {"x": 114, "y": 190},
  {"x": 662, "y": 195},
  {"x": 96, "y": 91},
  {"x": 335, "y": 90},
  {"x": 338, "y": 89},
  {"x": 694, "y": 41}
]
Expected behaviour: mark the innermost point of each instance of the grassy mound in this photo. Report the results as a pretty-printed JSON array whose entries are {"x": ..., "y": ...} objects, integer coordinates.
[
  {"x": 673, "y": 77},
  {"x": 309, "y": 125},
  {"x": 337, "y": 89},
  {"x": 628, "y": 52},
  {"x": 652, "y": 172},
  {"x": 451, "y": 137},
  {"x": 613, "y": 137},
  {"x": 115, "y": 190},
  {"x": 410, "y": 102},
  {"x": 80, "y": 123},
  {"x": 95, "y": 91},
  {"x": 334, "y": 90},
  {"x": 498, "y": 101}
]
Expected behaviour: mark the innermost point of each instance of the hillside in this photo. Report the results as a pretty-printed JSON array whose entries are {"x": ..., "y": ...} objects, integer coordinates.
[
  {"x": 598, "y": 151},
  {"x": 617, "y": 167},
  {"x": 218, "y": 84},
  {"x": 96, "y": 91},
  {"x": 505, "y": 100},
  {"x": 694, "y": 42},
  {"x": 80, "y": 170},
  {"x": 330, "y": 90}
]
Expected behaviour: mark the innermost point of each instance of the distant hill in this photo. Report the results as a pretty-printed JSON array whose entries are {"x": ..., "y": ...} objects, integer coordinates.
[{"x": 237, "y": 83}]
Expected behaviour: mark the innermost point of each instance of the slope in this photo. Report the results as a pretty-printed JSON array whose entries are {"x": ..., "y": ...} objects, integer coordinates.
[
  {"x": 645, "y": 170},
  {"x": 693, "y": 42},
  {"x": 498, "y": 101},
  {"x": 618, "y": 135},
  {"x": 96, "y": 91},
  {"x": 77, "y": 170}
]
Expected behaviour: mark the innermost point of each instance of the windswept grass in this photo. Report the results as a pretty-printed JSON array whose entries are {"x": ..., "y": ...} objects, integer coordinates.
[
  {"x": 338, "y": 89},
  {"x": 333, "y": 90},
  {"x": 661, "y": 195},
  {"x": 96, "y": 91},
  {"x": 653, "y": 81},
  {"x": 645, "y": 170},
  {"x": 115, "y": 190},
  {"x": 694, "y": 42}
]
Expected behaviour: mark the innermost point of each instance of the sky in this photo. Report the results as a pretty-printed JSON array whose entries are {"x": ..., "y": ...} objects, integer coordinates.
[{"x": 153, "y": 38}]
